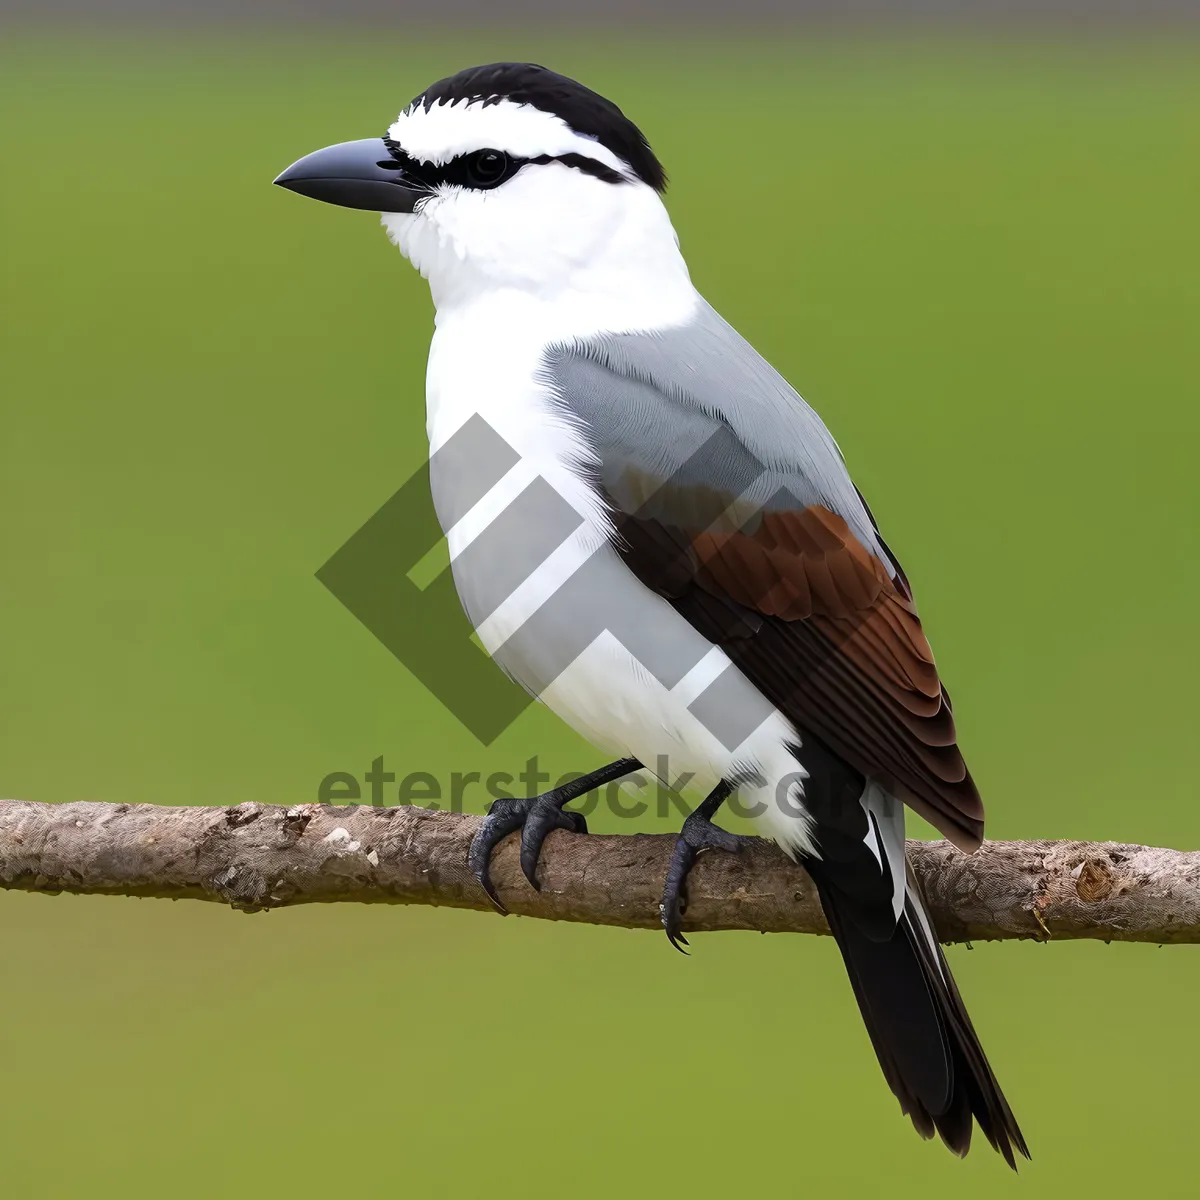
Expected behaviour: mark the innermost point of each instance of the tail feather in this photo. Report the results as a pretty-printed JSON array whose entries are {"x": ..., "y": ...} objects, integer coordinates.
[{"x": 923, "y": 1037}]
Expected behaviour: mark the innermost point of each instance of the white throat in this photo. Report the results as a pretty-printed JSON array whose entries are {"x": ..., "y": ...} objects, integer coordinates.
[
  {"x": 589, "y": 258},
  {"x": 596, "y": 254}
]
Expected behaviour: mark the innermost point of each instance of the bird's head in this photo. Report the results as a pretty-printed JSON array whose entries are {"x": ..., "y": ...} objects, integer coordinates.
[{"x": 506, "y": 176}]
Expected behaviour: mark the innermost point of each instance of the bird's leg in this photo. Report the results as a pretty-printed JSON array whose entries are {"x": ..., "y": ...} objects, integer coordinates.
[
  {"x": 697, "y": 835},
  {"x": 535, "y": 817}
]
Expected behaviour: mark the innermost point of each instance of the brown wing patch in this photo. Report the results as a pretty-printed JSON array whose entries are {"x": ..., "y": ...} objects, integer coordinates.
[
  {"x": 794, "y": 565},
  {"x": 817, "y": 622}
]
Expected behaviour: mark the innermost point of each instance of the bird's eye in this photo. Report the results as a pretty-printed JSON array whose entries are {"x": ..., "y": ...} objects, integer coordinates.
[{"x": 486, "y": 168}]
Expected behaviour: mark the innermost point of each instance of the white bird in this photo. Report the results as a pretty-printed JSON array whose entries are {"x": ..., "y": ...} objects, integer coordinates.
[{"x": 673, "y": 556}]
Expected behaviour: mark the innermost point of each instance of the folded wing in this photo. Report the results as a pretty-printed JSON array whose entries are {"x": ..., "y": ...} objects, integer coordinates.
[{"x": 731, "y": 499}]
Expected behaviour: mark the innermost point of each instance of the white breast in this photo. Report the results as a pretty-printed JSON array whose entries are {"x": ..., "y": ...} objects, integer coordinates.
[{"x": 485, "y": 361}]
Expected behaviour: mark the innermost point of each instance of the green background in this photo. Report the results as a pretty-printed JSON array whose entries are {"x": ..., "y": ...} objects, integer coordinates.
[{"x": 979, "y": 261}]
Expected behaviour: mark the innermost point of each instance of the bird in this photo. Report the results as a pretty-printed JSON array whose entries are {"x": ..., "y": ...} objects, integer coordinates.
[{"x": 672, "y": 555}]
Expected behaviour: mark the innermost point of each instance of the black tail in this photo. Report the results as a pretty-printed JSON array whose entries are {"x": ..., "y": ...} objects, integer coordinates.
[{"x": 922, "y": 1035}]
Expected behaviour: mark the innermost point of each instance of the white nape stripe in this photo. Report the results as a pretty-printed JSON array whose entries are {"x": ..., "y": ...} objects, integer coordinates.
[{"x": 448, "y": 129}]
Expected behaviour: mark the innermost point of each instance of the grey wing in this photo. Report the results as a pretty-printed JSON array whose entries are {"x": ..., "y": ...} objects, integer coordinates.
[
  {"x": 731, "y": 499},
  {"x": 697, "y": 410}
]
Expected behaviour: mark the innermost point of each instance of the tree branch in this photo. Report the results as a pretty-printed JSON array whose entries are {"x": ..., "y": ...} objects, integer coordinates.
[{"x": 260, "y": 856}]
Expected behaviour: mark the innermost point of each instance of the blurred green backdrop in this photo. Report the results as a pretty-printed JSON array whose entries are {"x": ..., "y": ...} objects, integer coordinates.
[{"x": 979, "y": 262}]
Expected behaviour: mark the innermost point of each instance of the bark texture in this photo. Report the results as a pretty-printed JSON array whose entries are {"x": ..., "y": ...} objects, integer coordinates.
[{"x": 261, "y": 856}]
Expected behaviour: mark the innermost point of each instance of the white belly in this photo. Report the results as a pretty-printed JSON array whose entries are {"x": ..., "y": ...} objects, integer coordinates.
[
  {"x": 608, "y": 697},
  {"x": 619, "y": 665}
]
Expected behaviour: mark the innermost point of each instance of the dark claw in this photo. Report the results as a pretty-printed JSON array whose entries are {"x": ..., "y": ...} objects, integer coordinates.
[
  {"x": 543, "y": 818},
  {"x": 503, "y": 817},
  {"x": 536, "y": 818},
  {"x": 672, "y": 905},
  {"x": 697, "y": 835}
]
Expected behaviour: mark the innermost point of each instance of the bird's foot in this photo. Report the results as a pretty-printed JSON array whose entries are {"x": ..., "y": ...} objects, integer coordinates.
[
  {"x": 535, "y": 817},
  {"x": 697, "y": 835}
]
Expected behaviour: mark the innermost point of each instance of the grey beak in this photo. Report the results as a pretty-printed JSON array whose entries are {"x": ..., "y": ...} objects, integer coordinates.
[{"x": 355, "y": 175}]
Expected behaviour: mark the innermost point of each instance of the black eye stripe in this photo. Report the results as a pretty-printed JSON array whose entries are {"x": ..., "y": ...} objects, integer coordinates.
[
  {"x": 581, "y": 162},
  {"x": 464, "y": 171}
]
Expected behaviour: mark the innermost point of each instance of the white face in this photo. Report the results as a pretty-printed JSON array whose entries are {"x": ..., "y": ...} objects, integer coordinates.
[{"x": 547, "y": 227}]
